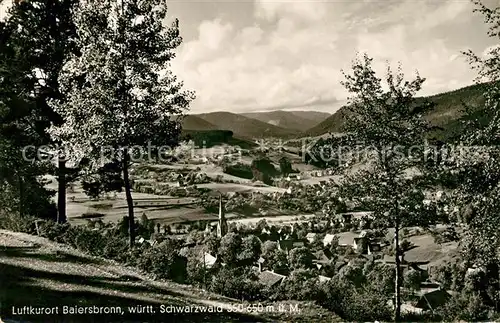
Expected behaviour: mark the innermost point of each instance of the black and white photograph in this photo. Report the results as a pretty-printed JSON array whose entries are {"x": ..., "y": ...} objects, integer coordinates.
[{"x": 249, "y": 161}]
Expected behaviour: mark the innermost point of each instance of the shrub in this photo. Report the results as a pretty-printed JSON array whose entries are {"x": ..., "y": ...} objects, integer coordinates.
[
  {"x": 444, "y": 236},
  {"x": 301, "y": 285},
  {"x": 405, "y": 245},
  {"x": 102, "y": 206},
  {"x": 92, "y": 215},
  {"x": 354, "y": 304},
  {"x": 14, "y": 222},
  {"x": 236, "y": 283},
  {"x": 464, "y": 306},
  {"x": 54, "y": 231},
  {"x": 163, "y": 261},
  {"x": 90, "y": 241}
]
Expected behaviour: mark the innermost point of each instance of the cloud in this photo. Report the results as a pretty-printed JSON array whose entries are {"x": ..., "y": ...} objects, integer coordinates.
[
  {"x": 212, "y": 37},
  {"x": 293, "y": 53},
  {"x": 214, "y": 33},
  {"x": 4, "y": 7},
  {"x": 296, "y": 9},
  {"x": 439, "y": 13}
]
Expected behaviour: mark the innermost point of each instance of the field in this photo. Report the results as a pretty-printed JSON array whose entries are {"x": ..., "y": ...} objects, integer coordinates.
[
  {"x": 161, "y": 209},
  {"x": 165, "y": 210}
]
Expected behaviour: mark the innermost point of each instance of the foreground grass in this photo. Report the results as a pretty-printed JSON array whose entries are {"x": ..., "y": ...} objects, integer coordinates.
[{"x": 40, "y": 273}]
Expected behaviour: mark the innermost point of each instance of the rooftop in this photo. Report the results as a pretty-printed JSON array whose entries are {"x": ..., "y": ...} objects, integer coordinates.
[{"x": 268, "y": 278}]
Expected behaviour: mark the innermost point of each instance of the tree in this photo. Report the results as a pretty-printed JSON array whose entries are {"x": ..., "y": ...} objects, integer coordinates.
[
  {"x": 261, "y": 225},
  {"x": 230, "y": 248},
  {"x": 196, "y": 271},
  {"x": 382, "y": 278},
  {"x": 45, "y": 36},
  {"x": 353, "y": 273},
  {"x": 251, "y": 249},
  {"x": 268, "y": 248},
  {"x": 475, "y": 176},
  {"x": 302, "y": 285},
  {"x": 120, "y": 92},
  {"x": 211, "y": 244},
  {"x": 285, "y": 166},
  {"x": 301, "y": 258},
  {"x": 236, "y": 283},
  {"x": 317, "y": 243},
  {"x": 263, "y": 170},
  {"x": 412, "y": 280},
  {"x": 275, "y": 259},
  {"x": 389, "y": 130},
  {"x": 163, "y": 261},
  {"x": 105, "y": 179}
]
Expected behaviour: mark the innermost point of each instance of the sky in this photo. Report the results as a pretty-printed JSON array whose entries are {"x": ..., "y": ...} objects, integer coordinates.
[{"x": 262, "y": 55}]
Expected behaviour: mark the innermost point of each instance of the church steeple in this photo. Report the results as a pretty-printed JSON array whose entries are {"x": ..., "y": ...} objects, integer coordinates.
[{"x": 222, "y": 226}]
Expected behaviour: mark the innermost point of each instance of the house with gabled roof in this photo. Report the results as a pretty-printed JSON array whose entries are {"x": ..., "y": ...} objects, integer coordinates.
[
  {"x": 270, "y": 279},
  {"x": 324, "y": 256},
  {"x": 328, "y": 239},
  {"x": 208, "y": 260},
  {"x": 432, "y": 298},
  {"x": 311, "y": 236}
]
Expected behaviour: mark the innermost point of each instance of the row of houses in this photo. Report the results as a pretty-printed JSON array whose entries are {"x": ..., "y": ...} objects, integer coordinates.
[
  {"x": 428, "y": 297},
  {"x": 269, "y": 278}
]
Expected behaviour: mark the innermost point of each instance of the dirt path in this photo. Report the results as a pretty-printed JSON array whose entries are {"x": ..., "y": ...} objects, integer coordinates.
[{"x": 40, "y": 273}]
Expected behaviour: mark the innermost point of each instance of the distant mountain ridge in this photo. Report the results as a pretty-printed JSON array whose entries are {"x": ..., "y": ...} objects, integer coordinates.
[
  {"x": 192, "y": 122},
  {"x": 446, "y": 113},
  {"x": 253, "y": 125},
  {"x": 245, "y": 127},
  {"x": 296, "y": 120}
]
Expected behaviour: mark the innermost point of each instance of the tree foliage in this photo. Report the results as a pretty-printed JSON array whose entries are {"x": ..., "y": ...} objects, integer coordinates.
[
  {"x": 386, "y": 123},
  {"x": 285, "y": 166},
  {"x": 120, "y": 93}
]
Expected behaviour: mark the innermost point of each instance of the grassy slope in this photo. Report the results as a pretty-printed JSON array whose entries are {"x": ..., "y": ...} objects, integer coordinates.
[{"x": 40, "y": 273}]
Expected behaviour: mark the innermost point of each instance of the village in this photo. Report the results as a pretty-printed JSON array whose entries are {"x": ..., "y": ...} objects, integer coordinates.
[
  {"x": 193, "y": 154},
  {"x": 329, "y": 244},
  {"x": 296, "y": 222}
]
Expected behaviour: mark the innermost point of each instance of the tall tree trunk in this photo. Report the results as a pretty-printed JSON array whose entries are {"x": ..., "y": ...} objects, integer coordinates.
[
  {"x": 130, "y": 202},
  {"x": 397, "y": 296},
  {"x": 21, "y": 194},
  {"x": 61, "y": 195}
]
